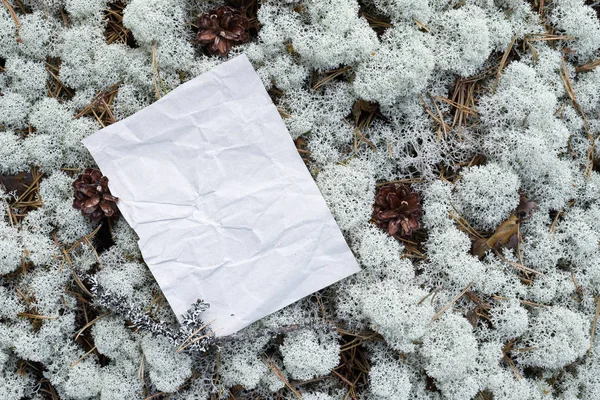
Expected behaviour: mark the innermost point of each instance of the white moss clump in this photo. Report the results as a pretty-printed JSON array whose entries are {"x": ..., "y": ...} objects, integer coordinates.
[
  {"x": 408, "y": 10},
  {"x": 449, "y": 348},
  {"x": 26, "y": 77},
  {"x": 114, "y": 340},
  {"x": 575, "y": 18},
  {"x": 11, "y": 249},
  {"x": 389, "y": 380},
  {"x": 557, "y": 336},
  {"x": 37, "y": 34},
  {"x": 168, "y": 368},
  {"x": 461, "y": 39},
  {"x": 12, "y": 153},
  {"x": 161, "y": 23},
  {"x": 510, "y": 319},
  {"x": 307, "y": 354},
  {"x": 241, "y": 363},
  {"x": 395, "y": 312},
  {"x": 81, "y": 10},
  {"x": 487, "y": 194},
  {"x": 349, "y": 191},
  {"x": 401, "y": 67}
]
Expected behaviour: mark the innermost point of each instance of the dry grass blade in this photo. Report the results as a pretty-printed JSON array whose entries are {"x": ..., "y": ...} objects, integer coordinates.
[
  {"x": 80, "y": 284},
  {"x": 283, "y": 113},
  {"x": 92, "y": 322},
  {"x": 185, "y": 343},
  {"x": 516, "y": 265},
  {"x": 363, "y": 138},
  {"x": 359, "y": 338},
  {"x": 375, "y": 22},
  {"x": 83, "y": 356},
  {"x": 408, "y": 181},
  {"x": 462, "y": 107},
  {"x": 503, "y": 61},
  {"x": 346, "y": 381},
  {"x": 35, "y": 316},
  {"x": 100, "y": 106},
  {"x": 546, "y": 37},
  {"x": 525, "y": 302},
  {"x": 437, "y": 118},
  {"x": 156, "y": 79},
  {"x": 12, "y": 13},
  {"x": 421, "y": 25},
  {"x": 463, "y": 224},
  {"x": 513, "y": 367},
  {"x": 56, "y": 86},
  {"x": 569, "y": 88},
  {"x": 115, "y": 31},
  {"x": 541, "y": 8},
  {"x": 280, "y": 375},
  {"x": 89, "y": 236},
  {"x": 31, "y": 196},
  {"x": 454, "y": 300},
  {"x": 331, "y": 75},
  {"x": 353, "y": 370},
  {"x": 596, "y": 314},
  {"x": 441, "y": 117}
]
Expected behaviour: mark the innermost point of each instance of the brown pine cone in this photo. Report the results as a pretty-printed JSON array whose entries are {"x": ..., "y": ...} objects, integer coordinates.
[
  {"x": 220, "y": 29},
  {"x": 92, "y": 195},
  {"x": 397, "y": 209}
]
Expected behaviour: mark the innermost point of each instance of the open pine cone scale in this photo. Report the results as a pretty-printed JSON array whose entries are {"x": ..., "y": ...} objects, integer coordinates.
[
  {"x": 220, "y": 29},
  {"x": 92, "y": 195},
  {"x": 397, "y": 209}
]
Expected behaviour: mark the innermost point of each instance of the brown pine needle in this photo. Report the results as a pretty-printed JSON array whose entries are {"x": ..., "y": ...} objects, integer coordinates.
[
  {"x": 544, "y": 37},
  {"x": 441, "y": 117},
  {"x": 441, "y": 122},
  {"x": 334, "y": 73},
  {"x": 503, "y": 61},
  {"x": 185, "y": 342},
  {"x": 594, "y": 324},
  {"x": 517, "y": 265},
  {"x": 525, "y": 302},
  {"x": 462, "y": 107},
  {"x": 346, "y": 381},
  {"x": 35, "y": 316},
  {"x": 92, "y": 322},
  {"x": 83, "y": 356},
  {"x": 12, "y": 13},
  {"x": 421, "y": 25},
  {"x": 589, "y": 66},
  {"x": 280, "y": 375},
  {"x": 454, "y": 300},
  {"x": 569, "y": 88},
  {"x": 156, "y": 72},
  {"x": 513, "y": 367},
  {"x": 80, "y": 284}
]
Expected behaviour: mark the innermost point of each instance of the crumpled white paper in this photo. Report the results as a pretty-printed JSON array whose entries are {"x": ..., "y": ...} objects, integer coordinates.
[{"x": 226, "y": 210}]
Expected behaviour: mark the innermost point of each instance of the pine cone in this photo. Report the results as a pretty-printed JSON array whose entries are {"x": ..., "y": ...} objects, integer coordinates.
[
  {"x": 92, "y": 195},
  {"x": 220, "y": 29},
  {"x": 397, "y": 209}
]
